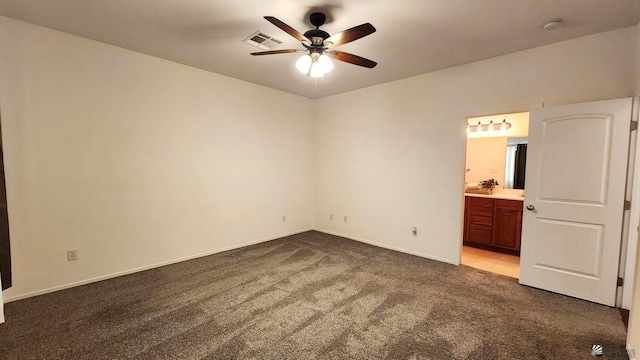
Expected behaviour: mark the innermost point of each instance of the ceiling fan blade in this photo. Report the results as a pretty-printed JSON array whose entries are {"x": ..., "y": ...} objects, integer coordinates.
[
  {"x": 349, "y": 35},
  {"x": 273, "y": 52},
  {"x": 286, "y": 28},
  {"x": 352, "y": 59}
]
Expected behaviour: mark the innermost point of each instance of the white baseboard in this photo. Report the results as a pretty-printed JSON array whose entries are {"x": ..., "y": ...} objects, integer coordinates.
[
  {"x": 142, "y": 268},
  {"x": 410, "y": 252}
]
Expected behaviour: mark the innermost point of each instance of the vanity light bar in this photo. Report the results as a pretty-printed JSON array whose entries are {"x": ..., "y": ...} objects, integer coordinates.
[{"x": 491, "y": 126}]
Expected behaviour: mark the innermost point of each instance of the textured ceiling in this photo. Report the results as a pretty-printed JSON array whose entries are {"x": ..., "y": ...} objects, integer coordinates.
[{"x": 413, "y": 36}]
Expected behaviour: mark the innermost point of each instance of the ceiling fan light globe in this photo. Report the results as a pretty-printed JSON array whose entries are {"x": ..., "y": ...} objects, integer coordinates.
[
  {"x": 325, "y": 63},
  {"x": 303, "y": 64},
  {"x": 316, "y": 70}
]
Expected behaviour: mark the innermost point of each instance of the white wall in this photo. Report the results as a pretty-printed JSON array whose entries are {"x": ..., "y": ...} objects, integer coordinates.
[
  {"x": 633, "y": 334},
  {"x": 137, "y": 161},
  {"x": 394, "y": 157}
]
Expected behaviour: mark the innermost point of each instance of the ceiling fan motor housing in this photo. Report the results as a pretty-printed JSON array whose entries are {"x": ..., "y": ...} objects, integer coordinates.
[
  {"x": 317, "y": 19},
  {"x": 316, "y": 36}
]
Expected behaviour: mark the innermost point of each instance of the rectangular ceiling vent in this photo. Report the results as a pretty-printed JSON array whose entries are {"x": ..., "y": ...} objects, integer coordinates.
[{"x": 262, "y": 41}]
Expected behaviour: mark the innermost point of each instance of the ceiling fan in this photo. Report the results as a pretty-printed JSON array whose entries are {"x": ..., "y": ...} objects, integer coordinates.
[{"x": 319, "y": 46}]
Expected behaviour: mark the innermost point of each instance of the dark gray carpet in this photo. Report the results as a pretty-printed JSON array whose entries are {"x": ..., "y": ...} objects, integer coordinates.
[{"x": 309, "y": 296}]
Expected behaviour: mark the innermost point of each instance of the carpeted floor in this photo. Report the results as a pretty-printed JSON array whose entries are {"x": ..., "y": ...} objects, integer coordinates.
[{"x": 309, "y": 296}]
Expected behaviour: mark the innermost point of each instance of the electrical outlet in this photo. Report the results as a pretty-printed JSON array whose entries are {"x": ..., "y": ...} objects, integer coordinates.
[
  {"x": 72, "y": 254},
  {"x": 345, "y": 218},
  {"x": 330, "y": 216},
  {"x": 284, "y": 218}
]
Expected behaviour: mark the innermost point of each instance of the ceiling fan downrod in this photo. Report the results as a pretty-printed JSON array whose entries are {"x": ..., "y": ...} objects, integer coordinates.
[{"x": 316, "y": 35}]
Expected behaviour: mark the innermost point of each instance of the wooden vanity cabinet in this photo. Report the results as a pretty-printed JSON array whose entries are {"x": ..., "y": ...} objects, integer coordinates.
[{"x": 493, "y": 223}]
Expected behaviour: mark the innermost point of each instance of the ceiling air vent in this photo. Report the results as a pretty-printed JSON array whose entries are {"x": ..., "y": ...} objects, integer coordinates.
[{"x": 262, "y": 41}]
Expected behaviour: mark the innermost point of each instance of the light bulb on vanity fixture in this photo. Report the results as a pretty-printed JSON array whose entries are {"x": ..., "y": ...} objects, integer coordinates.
[{"x": 491, "y": 126}]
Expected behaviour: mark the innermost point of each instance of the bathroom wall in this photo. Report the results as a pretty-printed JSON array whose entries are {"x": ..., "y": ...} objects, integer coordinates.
[{"x": 485, "y": 159}]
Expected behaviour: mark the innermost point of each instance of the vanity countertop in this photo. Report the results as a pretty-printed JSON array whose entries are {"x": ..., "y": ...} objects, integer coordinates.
[{"x": 499, "y": 195}]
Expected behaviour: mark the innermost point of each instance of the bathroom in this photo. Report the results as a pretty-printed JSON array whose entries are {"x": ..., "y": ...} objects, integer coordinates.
[{"x": 494, "y": 191}]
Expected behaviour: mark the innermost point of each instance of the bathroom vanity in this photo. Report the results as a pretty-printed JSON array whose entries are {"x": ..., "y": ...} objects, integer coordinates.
[{"x": 493, "y": 222}]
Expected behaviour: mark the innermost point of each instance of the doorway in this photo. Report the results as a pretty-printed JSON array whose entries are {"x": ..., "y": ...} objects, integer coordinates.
[{"x": 494, "y": 192}]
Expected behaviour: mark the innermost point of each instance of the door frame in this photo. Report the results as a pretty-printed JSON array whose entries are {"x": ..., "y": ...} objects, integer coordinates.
[
  {"x": 515, "y": 109},
  {"x": 1, "y": 300},
  {"x": 629, "y": 246}
]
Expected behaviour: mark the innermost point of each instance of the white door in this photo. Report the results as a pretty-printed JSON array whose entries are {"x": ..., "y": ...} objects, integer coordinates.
[{"x": 574, "y": 198}]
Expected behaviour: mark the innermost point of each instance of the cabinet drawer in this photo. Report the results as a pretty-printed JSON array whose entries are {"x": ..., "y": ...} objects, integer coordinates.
[
  {"x": 480, "y": 220},
  {"x": 481, "y": 211},
  {"x": 480, "y": 235},
  {"x": 475, "y": 201},
  {"x": 509, "y": 204}
]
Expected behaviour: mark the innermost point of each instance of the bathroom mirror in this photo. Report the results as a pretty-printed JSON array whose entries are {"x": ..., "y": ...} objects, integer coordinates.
[
  {"x": 495, "y": 151},
  {"x": 499, "y": 158},
  {"x": 515, "y": 163}
]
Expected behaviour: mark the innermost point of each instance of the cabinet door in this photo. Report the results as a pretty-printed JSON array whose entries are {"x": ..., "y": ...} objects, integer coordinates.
[{"x": 507, "y": 228}]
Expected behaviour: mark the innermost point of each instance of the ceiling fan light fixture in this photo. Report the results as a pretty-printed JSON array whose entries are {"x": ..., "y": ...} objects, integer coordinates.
[
  {"x": 316, "y": 70},
  {"x": 304, "y": 63},
  {"x": 314, "y": 65},
  {"x": 325, "y": 63}
]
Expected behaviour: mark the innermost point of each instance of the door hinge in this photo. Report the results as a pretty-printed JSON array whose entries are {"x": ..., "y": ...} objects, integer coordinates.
[
  {"x": 634, "y": 125},
  {"x": 627, "y": 205},
  {"x": 620, "y": 281}
]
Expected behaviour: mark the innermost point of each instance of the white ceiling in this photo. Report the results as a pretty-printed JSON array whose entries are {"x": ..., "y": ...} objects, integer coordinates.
[{"x": 413, "y": 36}]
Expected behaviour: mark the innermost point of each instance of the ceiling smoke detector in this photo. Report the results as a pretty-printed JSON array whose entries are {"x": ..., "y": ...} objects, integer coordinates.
[{"x": 552, "y": 24}]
